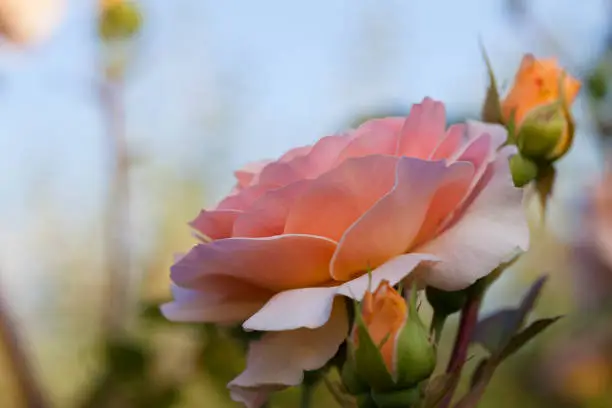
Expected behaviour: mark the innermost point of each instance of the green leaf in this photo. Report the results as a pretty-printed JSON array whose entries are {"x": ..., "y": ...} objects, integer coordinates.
[
  {"x": 437, "y": 388},
  {"x": 491, "y": 109},
  {"x": 497, "y": 330},
  {"x": 522, "y": 338}
]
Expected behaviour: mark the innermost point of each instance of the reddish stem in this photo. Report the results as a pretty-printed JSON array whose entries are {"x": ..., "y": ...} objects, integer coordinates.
[{"x": 469, "y": 318}]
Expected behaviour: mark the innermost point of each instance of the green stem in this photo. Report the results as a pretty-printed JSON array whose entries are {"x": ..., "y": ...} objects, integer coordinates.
[
  {"x": 307, "y": 393},
  {"x": 437, "y": 325}
]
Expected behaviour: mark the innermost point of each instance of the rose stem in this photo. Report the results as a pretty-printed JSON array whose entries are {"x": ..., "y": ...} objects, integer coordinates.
[
  {"x": 118, "y": 256},
  {"x": 469, "y": 318}
]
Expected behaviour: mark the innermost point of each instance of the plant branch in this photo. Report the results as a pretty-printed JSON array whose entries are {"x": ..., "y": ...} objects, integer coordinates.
[
  {"x": 30, "y": 391},
  {"x": 117, "y": 223},
  {"x": 469, "y": 319}
]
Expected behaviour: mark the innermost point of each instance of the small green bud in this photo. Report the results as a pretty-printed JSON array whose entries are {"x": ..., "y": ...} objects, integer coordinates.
[
  {"x": 542, "y": 132},
  {"x": 120, "y": 20},
  {"x": 523, "y": 170}
]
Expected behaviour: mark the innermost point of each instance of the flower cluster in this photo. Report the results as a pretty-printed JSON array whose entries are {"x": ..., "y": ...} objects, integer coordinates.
[{"x": 397, "y": 202}]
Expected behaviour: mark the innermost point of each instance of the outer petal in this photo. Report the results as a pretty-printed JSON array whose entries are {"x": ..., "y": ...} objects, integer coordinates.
[
  {"x": 319, "y": 159},
  {"x": 335, "y": 200},
  {"x": 266, "y": 217},
  {"x": 454, "y": 139},
  {"x": 389, "y": 228},
  {"x": 492, "y": 227},
  {"x": 315, "y": 304},
  {"x": 376, "y": 136},
  {"x": 280, "y": 359},
  {"x": 191, "y": 305},
  {"x": 498, "y": 133},
  {"x": 423, "y": 130},
  {"x": 215, "y": 224},
  {"x": 276, "y": 263},
  {"x": 242, "y": 199},
  {"x": 248, "y": 173}
]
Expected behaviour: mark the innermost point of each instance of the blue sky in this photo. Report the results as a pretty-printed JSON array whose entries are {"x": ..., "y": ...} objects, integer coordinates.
[{"x": 215, "y": 84}]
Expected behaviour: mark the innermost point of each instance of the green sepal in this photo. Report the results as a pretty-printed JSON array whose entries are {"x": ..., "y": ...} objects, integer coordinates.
[
  {"x": 369, "y": 363},
  {"x": 523, "y": 170},
  {"x": 397, "y": 399}
]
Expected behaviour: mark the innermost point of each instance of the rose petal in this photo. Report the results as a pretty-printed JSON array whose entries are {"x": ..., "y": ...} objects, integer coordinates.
[
  {"x": 266, "y": 217},
  {"x": 316, "y": 303},
  {"x": 455, "y": 137},
  {"x": 249, "y": 172},
  {"x": 338, "y": 198},
  {"x": 279, "y": 359},
  {"x": 497, "y": 132},
  {"x": 492, "y": 227},
  {"x": 376, "y": 136},
  {"x": 242, "y": 199},
  {"x": 216, "y": 299},
  {"x": 390, "y": 226},
  {"x": 423, "y": 130},
  {"x": 265, "y": 262},
  {"x": 215, "y": 224},
  {"x": 319, "y": 159}
]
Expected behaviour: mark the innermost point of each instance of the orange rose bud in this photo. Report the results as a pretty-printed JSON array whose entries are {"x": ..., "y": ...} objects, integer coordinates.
[
  {"x": 537, "y": 84},
  {"x": 384, "y": 313},
  {"x": 538, "y": 106},
  {"x": 389, "y": 348}
]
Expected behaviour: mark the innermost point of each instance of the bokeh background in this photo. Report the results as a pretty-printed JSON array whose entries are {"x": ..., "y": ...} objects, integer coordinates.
[{"x": 206, "y": 86}]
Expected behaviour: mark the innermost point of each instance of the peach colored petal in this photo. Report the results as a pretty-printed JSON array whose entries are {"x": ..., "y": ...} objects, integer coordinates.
[
  {"x": 317, "y": 161},
  {"x": 492, "y": 228},
  {"x": 497, "y": 132},
  {"x": 389, "y": 228},
  {"x": 316, "y": 303},
  {"x": 249, "y": 172},
  {"x": 242, "y": 199},
  {"x": 376, "y": 136},
  {"x": 423, "y": 130},
  {"x": 454, "y": 139},
  {"x": 265, "y": 262},
  {"x": 279, "y": 359},
  {"x": 266, "y": 217},
  {"x": 295, "y": 152},
  {"x": 215, "y": 224},
  {"x": 192, "y": 305},
  {"x": 335, "y": 200}
]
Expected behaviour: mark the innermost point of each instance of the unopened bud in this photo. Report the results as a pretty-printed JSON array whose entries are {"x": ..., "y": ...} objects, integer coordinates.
[{"x": 390, "y": 347}]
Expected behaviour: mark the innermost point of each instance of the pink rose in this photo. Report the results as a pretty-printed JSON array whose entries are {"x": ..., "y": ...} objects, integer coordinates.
[{"x": 300, "y": 231}]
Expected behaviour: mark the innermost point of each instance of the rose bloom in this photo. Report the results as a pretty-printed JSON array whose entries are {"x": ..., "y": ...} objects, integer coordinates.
[
  {"x": 29, "y": 21},
  {"x": 400, "y": 197}
]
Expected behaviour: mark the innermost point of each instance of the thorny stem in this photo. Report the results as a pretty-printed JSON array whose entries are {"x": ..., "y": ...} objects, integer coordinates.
[
  {"x": 469, "y": 318},
  {"x": 118, "y": 256},
  {"x": 31, "y": 392}
]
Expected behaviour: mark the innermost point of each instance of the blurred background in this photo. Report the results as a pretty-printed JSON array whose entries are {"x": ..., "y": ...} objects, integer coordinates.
[{"x": 117, "y": 127}]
